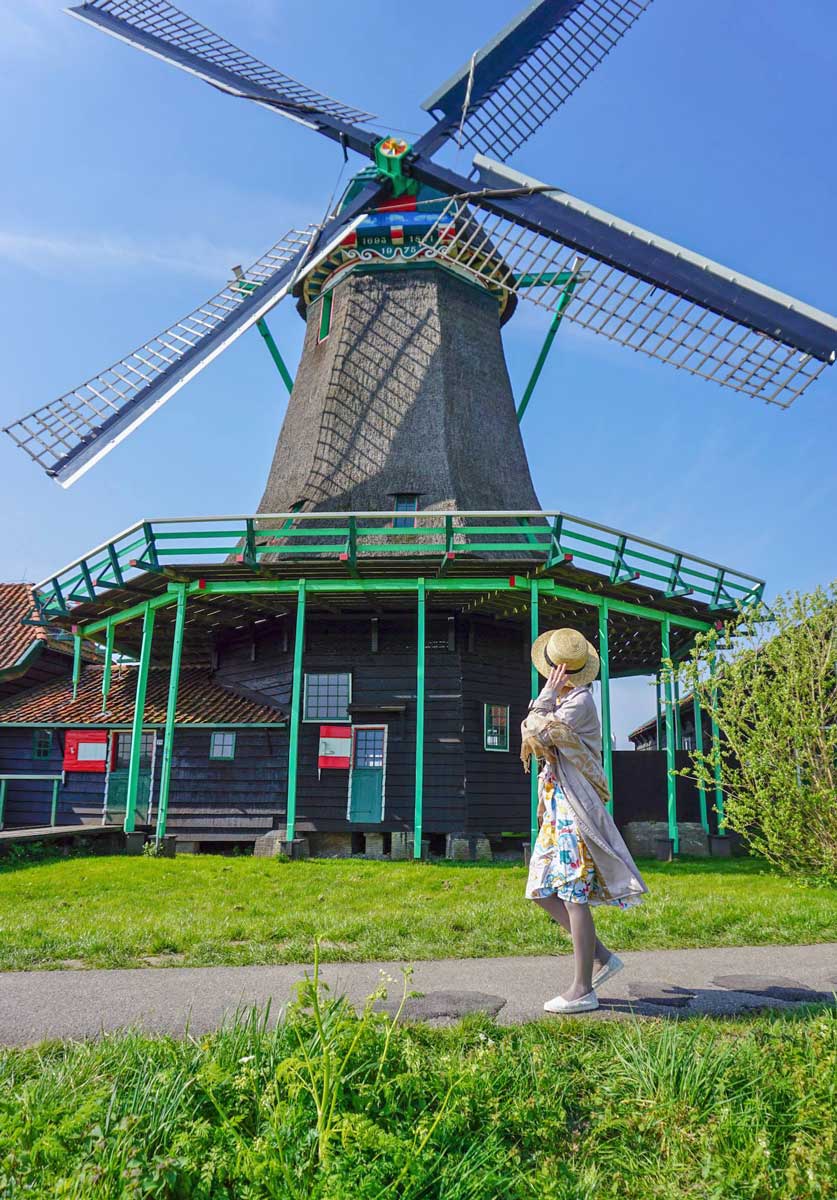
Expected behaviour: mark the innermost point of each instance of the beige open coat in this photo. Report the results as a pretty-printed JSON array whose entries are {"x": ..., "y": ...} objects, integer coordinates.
[{"x": 567, "y": 733}]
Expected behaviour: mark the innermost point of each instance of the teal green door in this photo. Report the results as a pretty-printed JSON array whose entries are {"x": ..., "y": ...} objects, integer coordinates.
[
  {"x": 118, "y": 779},
  {"x": 366, "y": 801}
]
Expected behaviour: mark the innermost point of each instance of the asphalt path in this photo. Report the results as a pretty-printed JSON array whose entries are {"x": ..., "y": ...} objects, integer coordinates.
[{"x": 87, "y": 1003}]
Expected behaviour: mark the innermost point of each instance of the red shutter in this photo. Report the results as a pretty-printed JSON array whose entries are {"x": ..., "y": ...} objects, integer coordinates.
[
  {"x": 335, "y": 747},
  {"x": 85, "y": 749}
]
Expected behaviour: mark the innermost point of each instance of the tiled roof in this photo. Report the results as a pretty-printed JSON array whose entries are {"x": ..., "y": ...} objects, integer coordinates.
[
  {"x": 16, "y": 602},
  {"x": 201, "y": 700}
]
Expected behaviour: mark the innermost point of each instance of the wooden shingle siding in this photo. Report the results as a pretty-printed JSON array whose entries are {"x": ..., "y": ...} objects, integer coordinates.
[
  {"x": 241, "y": 797},
  {"x": 29, "y": 803},
  {"x": 495, "y": 672}
]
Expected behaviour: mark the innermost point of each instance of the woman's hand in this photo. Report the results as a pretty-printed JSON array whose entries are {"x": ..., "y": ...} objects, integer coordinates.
[{"x": 556, "y": 678}]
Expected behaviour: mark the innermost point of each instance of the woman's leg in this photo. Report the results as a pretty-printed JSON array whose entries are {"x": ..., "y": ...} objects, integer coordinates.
[
  {"x": 557, "y": 909},
  {"x": 584, "y": 948}
]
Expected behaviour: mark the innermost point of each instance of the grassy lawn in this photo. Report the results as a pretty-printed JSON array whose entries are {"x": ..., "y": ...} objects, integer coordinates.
[
  {"x": 200, "y": 910},
  {"x": 714, "y": 1110}
]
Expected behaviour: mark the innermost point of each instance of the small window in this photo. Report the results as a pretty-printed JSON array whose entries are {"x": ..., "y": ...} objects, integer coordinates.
[
  {"x": 405, "y": 502},
  {"x": 325, "y": 317},
  {"x": 496, "y": 728},
  {"x": 222, "y": 745},
  {"x": 327, "y": 697},
  {"x": 688, "y": 741},
  {"x": 42, "y": 743},
  {"x": 122, "y": 754}
]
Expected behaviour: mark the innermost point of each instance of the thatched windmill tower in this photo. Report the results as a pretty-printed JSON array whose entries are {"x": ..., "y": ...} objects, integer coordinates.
[{"x": 402, "y": 394}]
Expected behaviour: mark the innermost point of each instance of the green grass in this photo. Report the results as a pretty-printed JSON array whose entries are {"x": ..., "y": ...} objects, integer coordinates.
[
  {"x": 329, "y": 1105},
  {"x": 201, "y": 910}
]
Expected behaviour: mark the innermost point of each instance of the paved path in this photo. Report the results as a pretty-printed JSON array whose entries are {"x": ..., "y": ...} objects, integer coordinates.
[{"x": 35, "y": 1005}]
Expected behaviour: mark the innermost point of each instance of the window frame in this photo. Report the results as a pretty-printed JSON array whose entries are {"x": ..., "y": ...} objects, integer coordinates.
[
  {"x": 486, "y": 708},
  {"x": 150, "y": 739},
  {"x": 221, "y": 733},
  {"x": 38, "y": 734},
  {"x": 405, "y": 522},
  {"x": 320, "y": 720}
]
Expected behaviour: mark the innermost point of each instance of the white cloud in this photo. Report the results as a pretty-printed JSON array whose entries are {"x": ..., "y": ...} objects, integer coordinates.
[{"x": 51, "y": 254}]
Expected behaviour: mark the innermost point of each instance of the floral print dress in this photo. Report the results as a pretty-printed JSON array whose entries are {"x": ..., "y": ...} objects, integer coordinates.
[{"x": 561, "y": 864}]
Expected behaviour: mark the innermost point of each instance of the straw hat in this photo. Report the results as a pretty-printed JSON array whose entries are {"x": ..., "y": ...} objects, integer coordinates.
[{"x": 570, "y": 647}]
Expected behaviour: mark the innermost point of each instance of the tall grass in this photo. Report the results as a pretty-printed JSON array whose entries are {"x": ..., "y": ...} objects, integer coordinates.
[{"x": 337, "y": 1105}]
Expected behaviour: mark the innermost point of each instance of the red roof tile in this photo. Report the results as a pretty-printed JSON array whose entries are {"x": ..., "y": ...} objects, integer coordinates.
[
  {"x": 16, "y": 602},
  {"x": 201, "y": 700}
]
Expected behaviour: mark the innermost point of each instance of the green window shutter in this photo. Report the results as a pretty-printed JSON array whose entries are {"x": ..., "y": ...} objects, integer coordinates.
[{"x": 325, "y": 317}]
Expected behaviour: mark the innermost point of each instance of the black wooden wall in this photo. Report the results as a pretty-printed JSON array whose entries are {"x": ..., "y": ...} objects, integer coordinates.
[
  {"x": 215, "y": 799},
  {"x": 29, "y": 802},
  {"x": 468, "y": 662}
]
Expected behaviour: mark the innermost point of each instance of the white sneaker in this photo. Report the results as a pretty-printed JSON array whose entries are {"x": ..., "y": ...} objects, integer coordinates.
[
  {"x": 583, "y": 1004},
  {"x": 613, "y": 964}
]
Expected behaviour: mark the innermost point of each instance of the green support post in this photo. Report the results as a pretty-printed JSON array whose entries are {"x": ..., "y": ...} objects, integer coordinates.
[
  {"x": 607, "y": 744},
  {"x": 171, "y": 709},
  {"x": 678, "y": 731},
  {"x": 420, "y": 640},
  {"x": 76, "y": 662},
  {"x": 2, "y": 802},
  {"x": 534, "y": 630},
  {"x": 704, "y": 819},
  {"x": 106, "y": 673},
  {"x": 716, "y": 748},
  {"x": 545, "y": 349},
  {"x": 53, "y": 812},
  {"x": 671, "y": 779},
  {"x": 139, "y": 712},
  {"x": 659, "y": 712},
  {"x": 296, "y": 707}
]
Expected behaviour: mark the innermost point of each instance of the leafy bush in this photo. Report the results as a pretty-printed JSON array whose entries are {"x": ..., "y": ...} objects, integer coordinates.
[{"x": 776, "y": 708}]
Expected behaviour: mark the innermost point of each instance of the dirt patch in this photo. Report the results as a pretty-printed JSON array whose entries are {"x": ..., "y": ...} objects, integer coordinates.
[{"x": 162, "y": 960}]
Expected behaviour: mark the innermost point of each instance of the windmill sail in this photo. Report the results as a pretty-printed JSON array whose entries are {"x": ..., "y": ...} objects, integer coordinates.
[
  {"x": 637, "y": 289},
  {"x": 164, "y": 31},
  {"x": 72, "y": 433},
  {"x": 518, "y": 80}
]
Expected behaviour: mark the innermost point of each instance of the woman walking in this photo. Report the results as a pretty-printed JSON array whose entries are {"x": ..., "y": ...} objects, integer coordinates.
[{"x": 579, "y": 858}]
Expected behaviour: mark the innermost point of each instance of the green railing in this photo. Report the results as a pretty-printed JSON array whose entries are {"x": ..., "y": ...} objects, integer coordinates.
[
  {"x": 53, "y": 808},
  {"x": 549, "y": 539}
]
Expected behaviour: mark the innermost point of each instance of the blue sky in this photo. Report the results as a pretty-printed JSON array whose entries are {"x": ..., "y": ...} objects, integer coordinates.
[{"x": 129, "y": 189}]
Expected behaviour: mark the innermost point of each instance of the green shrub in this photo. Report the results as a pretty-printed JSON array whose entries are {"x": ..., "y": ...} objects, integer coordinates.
[{"x": 776, "y": 708}]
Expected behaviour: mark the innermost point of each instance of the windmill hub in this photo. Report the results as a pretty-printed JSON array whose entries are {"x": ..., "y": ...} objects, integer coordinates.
[{"x": 406, "y": 231}]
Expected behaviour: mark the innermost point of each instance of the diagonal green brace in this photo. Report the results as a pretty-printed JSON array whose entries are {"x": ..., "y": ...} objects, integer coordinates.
[{"x": 566, "y": 296}]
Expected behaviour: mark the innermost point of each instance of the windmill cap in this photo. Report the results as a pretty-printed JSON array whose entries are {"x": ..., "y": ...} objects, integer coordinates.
[{"x": 569, "y": 648}]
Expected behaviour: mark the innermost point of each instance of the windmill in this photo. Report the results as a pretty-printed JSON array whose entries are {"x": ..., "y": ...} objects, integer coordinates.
[
  {"x": 410, "y": 634},
  {"x": 511, "y": 234}
]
